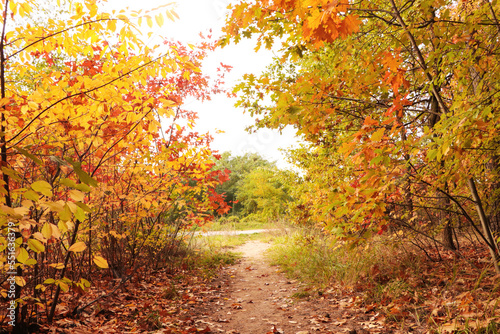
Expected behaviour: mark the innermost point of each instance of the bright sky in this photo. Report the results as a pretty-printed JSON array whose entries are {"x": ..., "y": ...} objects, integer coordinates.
[{"x": 199, "y": 16}]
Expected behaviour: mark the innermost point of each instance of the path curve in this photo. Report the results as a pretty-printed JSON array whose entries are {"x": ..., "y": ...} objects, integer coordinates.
[{"x": 255, "y": 298}]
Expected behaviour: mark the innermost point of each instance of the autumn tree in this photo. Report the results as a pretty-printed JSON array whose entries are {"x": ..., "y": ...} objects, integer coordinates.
[
  {"x": 264, "y": 194},
  {"x": 96, "y": 171},
  {"x": 398, "y": 101},
  {"x": 238, "y": 167}
]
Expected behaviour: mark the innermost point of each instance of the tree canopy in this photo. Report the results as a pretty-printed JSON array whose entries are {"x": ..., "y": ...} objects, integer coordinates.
[
  {"x": 399, "y": 104},
  {"x": 255, "y": 187},
  {"x": 96, "y": 170}
]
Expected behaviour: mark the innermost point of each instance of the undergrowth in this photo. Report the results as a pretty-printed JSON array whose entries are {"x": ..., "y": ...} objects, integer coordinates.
[
  {"x": 232, "y": 223},
  {"x": 457, "y": 294},
  {"x": 317, "y": 259}
]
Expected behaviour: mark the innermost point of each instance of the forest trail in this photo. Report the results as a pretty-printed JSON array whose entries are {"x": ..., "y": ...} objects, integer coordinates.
[
  {"x": 255, "y": 298},
  {"x": 210, "y": 233}
]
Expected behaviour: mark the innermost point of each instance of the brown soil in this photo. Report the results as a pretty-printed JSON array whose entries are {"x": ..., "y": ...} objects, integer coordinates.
[{"x": 252, "y": 297}]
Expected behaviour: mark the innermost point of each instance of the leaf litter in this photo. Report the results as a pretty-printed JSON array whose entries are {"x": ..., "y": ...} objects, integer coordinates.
[{"x": 253, "y": 297}]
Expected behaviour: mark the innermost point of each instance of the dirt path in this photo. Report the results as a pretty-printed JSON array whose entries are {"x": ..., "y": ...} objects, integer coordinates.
[{"x": 253, "y": 298}]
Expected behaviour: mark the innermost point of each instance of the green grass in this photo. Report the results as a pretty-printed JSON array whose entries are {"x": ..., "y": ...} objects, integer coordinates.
[
  {"x": 302, "y": 294},
  {"x": 234, "y": 224},
  {"x": 300, "y": 256},
  {"x": 221, "y": 242}
]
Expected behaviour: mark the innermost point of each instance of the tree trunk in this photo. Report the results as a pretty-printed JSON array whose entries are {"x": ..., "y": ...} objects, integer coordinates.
[
  {"x": 447, "y": 236},
  {"x": 492, "y": 245}
]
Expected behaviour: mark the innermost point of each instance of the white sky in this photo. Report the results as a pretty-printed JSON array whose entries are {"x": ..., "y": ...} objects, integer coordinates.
[{"x": 197, "y": 16}]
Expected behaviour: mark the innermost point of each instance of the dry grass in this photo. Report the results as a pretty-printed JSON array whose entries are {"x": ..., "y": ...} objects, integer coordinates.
[{"x": 456, "y": 294}]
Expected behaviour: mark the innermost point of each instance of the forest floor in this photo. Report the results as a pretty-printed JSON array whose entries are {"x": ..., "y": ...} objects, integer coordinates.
[
  {"x": 250, "y": 297},
  {"x": 253, "y": 297}
]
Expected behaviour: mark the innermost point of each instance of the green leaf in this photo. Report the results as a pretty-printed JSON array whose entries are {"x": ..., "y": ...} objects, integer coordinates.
[
  {"x": 49, "y": 281},
  {"x": 30, "y": 262},
  {"x": 80, "y": 214},
  {"x": 42, "y": 187},
  {"x": 431, "y": 154},
  {"x": 64, "y": 287},
  {"x": 62, "y": 226},
  {"x": 377, "y": 159},
  {"x": 84, "y": 282}
]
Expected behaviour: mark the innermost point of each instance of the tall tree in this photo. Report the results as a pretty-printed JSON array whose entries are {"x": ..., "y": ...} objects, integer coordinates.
[
  {"x": 238, "y": 167},
  {"x": 263, "y": 193}
]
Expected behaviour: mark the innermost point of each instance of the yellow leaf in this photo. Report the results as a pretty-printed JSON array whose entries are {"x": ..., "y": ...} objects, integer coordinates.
[
  {"x": 55, "y": 231},
  {"x": 80, "y": 214},
  {"x": 159, "y": 20},
  {"x": 57, "y": 265},
  {"x": 32, "y": 105},
  {"x": 65, "y": 214},
  {"x": 100, "y": 262},
  {"x": 13, "y": 7},
  {"x": 76, "y": 195},
  {"x": 23, "y": 255},
  {"x": 55, "y": 206},
  {"x": 72, "y": 206},
  {"x": 36, "y": 246},
  {"x": 112, "y": 25},
  {"x": 63, "y": 227},
  {"x": 64, "y": 287},
  {"x": 152, "y": 127},
  {"x": 149, "y": 21},
  {"x": 30, "y": 194},
  {"x": 77, "y": 247},
  {"x": 42, "y": 187},
  {"x": 39, "y": 236},
  {"x": 46, "y": 231},
  {"x": 20, "y": 281},
  {"x": 7, "y": 210},
  {"x": 377, "y": 135},
  {"x": 22, "y": 210}
]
